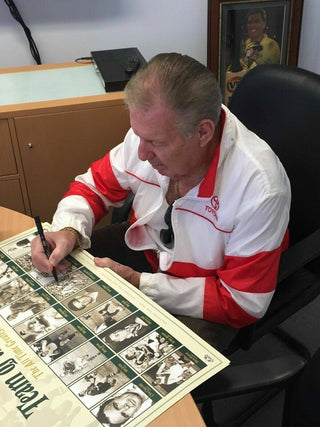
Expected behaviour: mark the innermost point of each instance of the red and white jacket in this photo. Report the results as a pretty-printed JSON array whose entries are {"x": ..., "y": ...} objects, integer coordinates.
[{"x": 229, "y": 231}]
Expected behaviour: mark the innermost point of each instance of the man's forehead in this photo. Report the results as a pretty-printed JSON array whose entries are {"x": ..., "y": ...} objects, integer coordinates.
[{"x": 158, "y": 119}]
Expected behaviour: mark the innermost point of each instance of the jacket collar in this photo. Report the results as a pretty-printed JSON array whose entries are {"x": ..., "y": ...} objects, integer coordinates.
[{"x": 206, "y": 188}]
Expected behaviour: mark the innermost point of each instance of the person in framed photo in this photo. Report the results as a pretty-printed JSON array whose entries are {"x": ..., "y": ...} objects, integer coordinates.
[
  {"x": 249, "y": 44},
  {"x": 256, "y": 31}
]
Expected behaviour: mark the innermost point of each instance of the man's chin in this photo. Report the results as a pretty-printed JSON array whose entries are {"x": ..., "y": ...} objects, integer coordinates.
[
  {"x": 161, "y": 169},
  {"x": 163, "y": 172}
]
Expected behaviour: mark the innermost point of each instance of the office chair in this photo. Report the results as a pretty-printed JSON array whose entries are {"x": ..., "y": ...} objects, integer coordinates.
[{"x": 281, "y": 104}]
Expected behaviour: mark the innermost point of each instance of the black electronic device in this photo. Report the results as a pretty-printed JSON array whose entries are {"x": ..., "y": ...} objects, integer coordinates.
[
  {"x": 116, "y": 66},
  {"x": 132, "y": 64}
]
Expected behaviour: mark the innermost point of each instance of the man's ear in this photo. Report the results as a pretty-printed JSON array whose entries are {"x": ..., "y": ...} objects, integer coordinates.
[{"x": 206, "y": 131}]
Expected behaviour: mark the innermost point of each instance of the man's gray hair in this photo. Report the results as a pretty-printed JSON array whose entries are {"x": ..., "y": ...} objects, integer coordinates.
[{"x": 182, "y": 84}]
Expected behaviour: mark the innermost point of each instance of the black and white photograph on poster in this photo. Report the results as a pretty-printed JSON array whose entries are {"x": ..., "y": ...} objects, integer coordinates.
[
  {"x": 171, "y": 372},
  {"x": 24, "y": 261},
  {"x": 147, "y": 351},
  {"x": 122, "y": 407},
  {"x": 40, "y": 325},
  {"x": 23, "y": 308},
  {"x": 20, "y": 247},
  {"x": 58, "y": 343},
  {"x": 77, "y": 372},
  {"x": 99, "y": 384},
  {"x": 6, "y": 273},
  {"x": 13, "y": 290},
  {"x": 70, "y": 282},
  {"x": 42, "y": 278},
  {"x": 105, "y": 315},
  {"x": 86, "y": 299},
  {"x": 125, "y": 332},
  {"x": 77, "y": 363}
]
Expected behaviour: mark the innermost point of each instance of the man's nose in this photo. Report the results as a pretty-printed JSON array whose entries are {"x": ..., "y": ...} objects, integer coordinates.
[{"x": 145, "y": 150}]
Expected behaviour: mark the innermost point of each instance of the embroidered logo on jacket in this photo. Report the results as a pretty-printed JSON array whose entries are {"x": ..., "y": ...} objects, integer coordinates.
[{"x": 215, "y": 204}]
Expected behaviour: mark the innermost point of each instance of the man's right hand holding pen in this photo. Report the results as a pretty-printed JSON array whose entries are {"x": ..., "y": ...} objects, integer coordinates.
[{"x": 61, "y": 243}]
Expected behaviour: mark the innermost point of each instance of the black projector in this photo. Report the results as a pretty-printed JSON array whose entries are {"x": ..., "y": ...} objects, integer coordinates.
[{"x": 116, "y": 66}]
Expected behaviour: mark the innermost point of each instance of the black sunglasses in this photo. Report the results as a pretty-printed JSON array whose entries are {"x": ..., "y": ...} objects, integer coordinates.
[{"x": 166, "y": 234}]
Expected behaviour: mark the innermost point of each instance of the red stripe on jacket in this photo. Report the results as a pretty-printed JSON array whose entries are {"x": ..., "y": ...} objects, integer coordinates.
[
  {"x": 221, "y": 308},
  {"x": 255, "y": 274},
  {"x": 79, "y": 189},
  {"x": 99, "y": 170}
]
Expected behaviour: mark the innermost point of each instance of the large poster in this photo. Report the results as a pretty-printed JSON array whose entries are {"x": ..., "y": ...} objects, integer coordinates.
[{"x": 90, "y": 349}]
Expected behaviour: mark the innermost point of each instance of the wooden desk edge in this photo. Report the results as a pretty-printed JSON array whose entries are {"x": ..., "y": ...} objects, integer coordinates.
[{"x": 13, "y": 222}]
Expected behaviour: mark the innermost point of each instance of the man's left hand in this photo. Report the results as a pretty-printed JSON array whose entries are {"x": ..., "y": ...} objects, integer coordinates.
[{"x": 124, "y": 271}]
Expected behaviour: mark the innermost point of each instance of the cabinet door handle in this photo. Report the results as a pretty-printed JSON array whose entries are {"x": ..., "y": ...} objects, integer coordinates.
[{"x": 29, "y": 145}]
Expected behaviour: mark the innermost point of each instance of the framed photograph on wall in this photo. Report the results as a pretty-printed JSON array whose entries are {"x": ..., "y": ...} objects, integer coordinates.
[{"x": 243, "y": 34}]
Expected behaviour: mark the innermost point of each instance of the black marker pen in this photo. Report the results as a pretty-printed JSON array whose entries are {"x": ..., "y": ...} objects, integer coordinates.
[{"x": 44, "y": 244}]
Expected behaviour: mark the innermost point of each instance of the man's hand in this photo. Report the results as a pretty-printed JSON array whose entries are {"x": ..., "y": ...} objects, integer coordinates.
[
  {"x": 60, "y": 243},
  {"x": 124, "y": 271}
]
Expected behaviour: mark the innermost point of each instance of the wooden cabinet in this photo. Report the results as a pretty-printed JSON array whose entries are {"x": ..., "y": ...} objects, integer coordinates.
[
  {"x": 45, "y": 145},
  {"x": 11, "y": 193},
  {"x": 56, "y": 147}
]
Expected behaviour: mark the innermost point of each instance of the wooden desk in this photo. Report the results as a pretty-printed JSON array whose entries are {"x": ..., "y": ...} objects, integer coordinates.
[{"x": 185, "y": 412}]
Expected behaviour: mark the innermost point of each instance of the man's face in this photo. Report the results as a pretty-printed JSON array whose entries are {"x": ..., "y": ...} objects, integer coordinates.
[
  {"x": 255, "y": 27},
  {"x": 162, "y": 144},
  {"x": 122, "y": 408}
]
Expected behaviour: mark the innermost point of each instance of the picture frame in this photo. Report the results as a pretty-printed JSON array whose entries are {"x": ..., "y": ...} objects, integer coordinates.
[{"x": 246, "y": 33}]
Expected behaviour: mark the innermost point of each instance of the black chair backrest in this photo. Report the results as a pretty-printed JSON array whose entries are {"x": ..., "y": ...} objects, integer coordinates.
[{"x": 281, "y": 104}]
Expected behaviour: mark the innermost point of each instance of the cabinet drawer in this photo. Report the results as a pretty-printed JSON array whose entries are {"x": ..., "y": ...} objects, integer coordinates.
[
  {"x": 11, "y": 195},
  {"x": 7, "y": 160}
]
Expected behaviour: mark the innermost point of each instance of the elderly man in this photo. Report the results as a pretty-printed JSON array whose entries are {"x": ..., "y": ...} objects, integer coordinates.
[{"x": 210, "y": 208}]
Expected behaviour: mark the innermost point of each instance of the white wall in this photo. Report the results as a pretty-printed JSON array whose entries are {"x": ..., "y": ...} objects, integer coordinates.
[
  {"x": 309, "y": 52},
  {"x": 67, "y": 29},
  {"x": 64, "y": 30}
]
